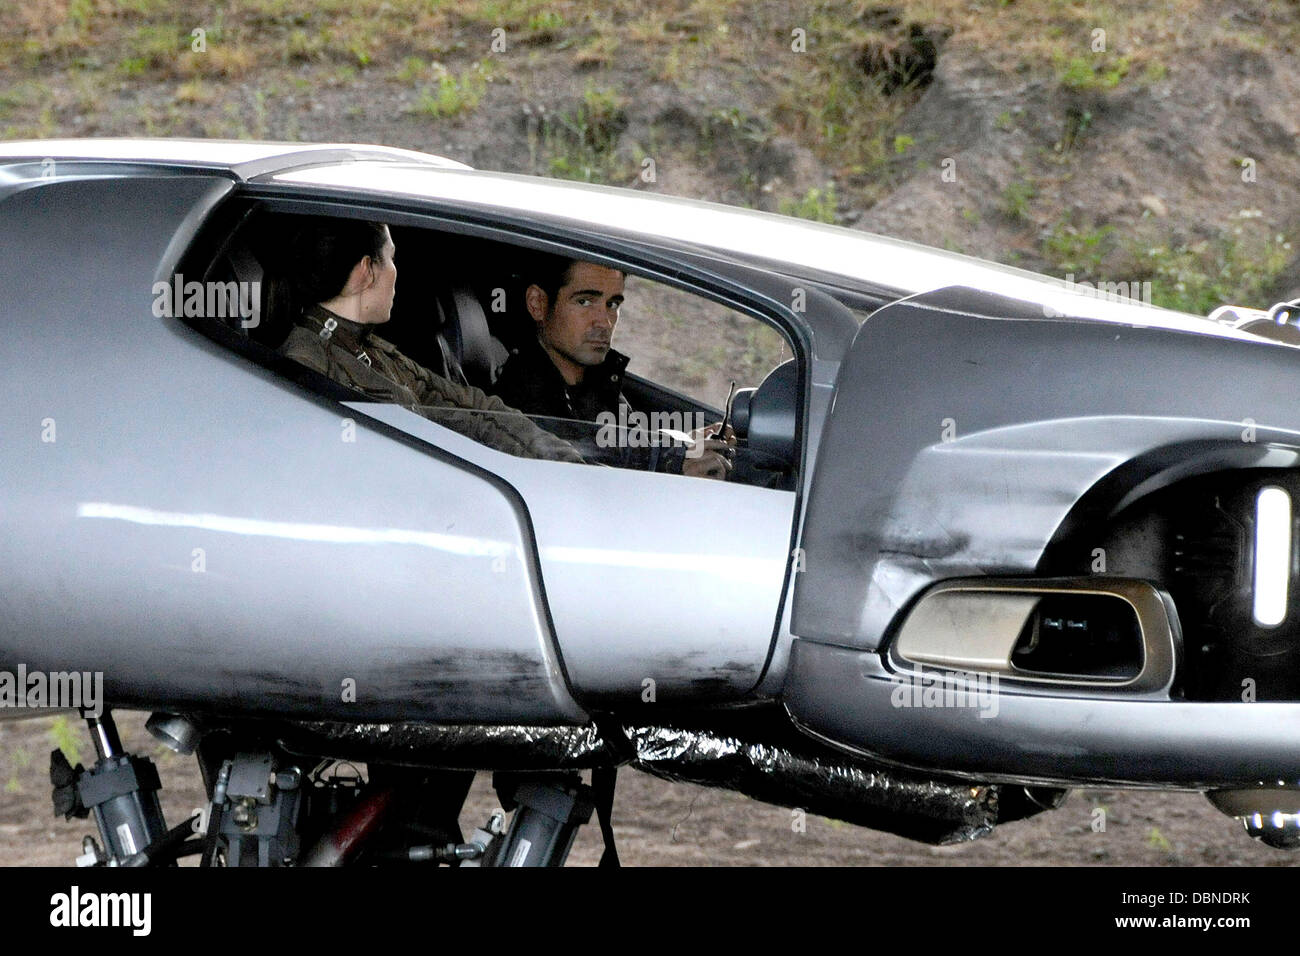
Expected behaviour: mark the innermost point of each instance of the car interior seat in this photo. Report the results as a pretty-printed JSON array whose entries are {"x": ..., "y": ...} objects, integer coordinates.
[
  {"x": 468, "y": 337},
  {"x": 273, "y": 310}
]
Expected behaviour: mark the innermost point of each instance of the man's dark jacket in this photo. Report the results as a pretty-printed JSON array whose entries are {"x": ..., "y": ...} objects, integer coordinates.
[{"x": 530, "y": 382}]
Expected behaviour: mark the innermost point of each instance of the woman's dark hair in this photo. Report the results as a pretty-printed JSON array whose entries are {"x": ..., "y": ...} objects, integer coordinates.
[{"x": 322, "y": 252}]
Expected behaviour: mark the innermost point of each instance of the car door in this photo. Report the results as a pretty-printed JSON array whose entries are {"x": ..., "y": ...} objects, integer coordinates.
[
  {"x": 658, "y": 586},
  {"x": 206, "y": 534}
]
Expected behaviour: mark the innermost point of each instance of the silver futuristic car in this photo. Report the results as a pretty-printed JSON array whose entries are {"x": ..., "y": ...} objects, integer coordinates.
[{"x": 983, "y": 536}]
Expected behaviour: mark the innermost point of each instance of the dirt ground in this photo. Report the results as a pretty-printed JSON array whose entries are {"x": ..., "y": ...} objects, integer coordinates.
[{"x": 667, "y": 824}]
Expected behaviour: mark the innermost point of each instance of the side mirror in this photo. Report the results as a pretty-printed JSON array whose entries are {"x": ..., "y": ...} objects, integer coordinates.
[{"x": 766, "y": 416}]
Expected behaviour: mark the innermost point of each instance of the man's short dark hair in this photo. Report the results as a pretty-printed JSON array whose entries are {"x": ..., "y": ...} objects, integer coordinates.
[
  {"x": 322, "y": 252},
  {"x": 551, "y": 273}
]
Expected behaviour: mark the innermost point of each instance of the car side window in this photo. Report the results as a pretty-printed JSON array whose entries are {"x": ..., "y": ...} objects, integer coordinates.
[
  {"x": 454, "y": 340},
  {"x": 635, "y": 356},
  {"x": 692, "y": 345}
]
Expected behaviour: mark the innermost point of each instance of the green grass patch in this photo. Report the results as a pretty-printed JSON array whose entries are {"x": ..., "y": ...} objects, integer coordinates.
[
  {"x": 306, "y": 46},
  {"x": 510, "y": 14},
  {"x": 582, "y": 144},
  {"x": 826, "y": 100},
  {"x": 547, "y": 21},
  {"x": 1232, "y": 269},
  {"x": 1077, "y": 251},
  {"x": 63, "y": 736},
  {"x": 1016, "y": 198},
  {"x": 819, "y": 205},
  {"x": 456, "y": 94},
  {"x": 413, "y": 69},
  {"x": 23, "y": 95},
  {"x": 1237, "y": 266},
  {"x": 1154, "y": 72},
  {"x": 1095, "y": 71},
  {"x": 153, "y": 47},
  {"x": 1158, "y": 841}
]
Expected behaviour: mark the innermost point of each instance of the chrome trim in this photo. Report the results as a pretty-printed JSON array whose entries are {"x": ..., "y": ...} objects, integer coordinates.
[
  {"x": 1269, "y": 814},
  {"x": 971, "y": 625}
]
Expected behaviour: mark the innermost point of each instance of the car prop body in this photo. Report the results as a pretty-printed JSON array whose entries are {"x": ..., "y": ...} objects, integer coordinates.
[{"x": 1016, "y": 544}]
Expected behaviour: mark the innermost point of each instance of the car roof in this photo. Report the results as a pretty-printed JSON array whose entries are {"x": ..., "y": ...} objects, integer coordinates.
[
  {"x": 795, "y": 246},
  {"x": 241, "y": 158}
]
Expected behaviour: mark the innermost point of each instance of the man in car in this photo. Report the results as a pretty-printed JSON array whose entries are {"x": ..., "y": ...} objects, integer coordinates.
[
  {"x": 343, "y": 273},
  {"x": 570, "y": 370}
]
